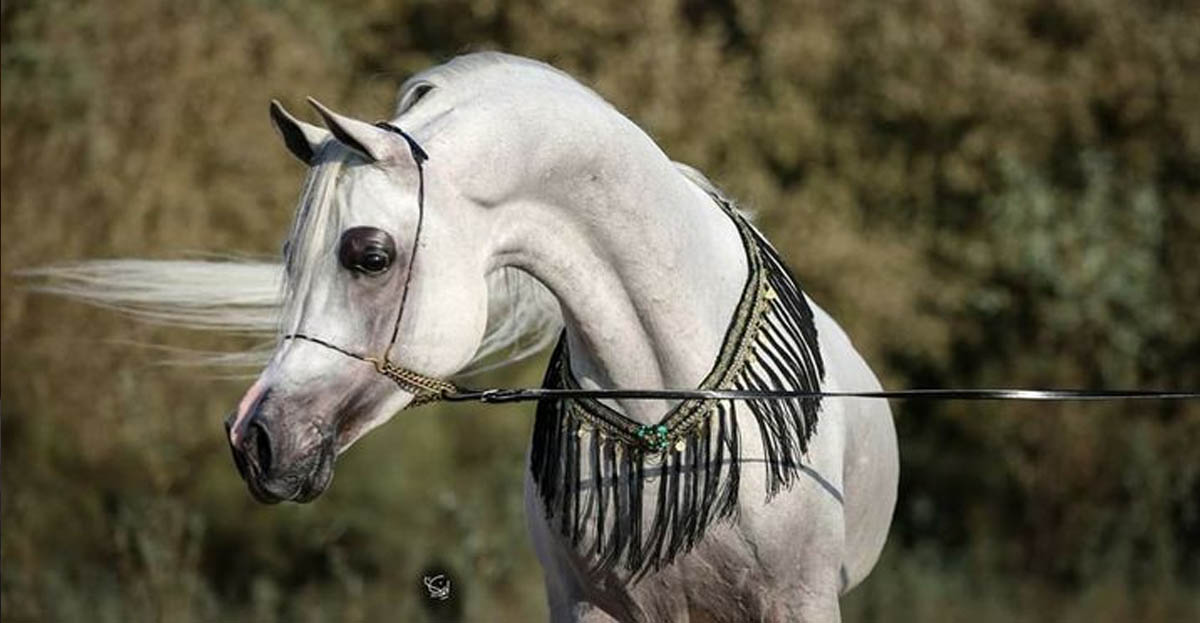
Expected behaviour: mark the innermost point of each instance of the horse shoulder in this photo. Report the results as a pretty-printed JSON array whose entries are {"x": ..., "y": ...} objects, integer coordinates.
[{"x": 871, "y": 464}]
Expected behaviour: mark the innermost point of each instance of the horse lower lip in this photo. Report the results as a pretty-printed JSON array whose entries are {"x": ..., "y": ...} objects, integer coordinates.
[
  {"x": 253, "y": 478},
  {"x": 305, "y": 490},
  {"x": 318, "y": 480},
  {"x": 260, "y": 493}
]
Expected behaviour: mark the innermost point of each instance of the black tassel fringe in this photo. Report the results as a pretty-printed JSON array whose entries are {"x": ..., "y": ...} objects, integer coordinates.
[{"x": 628, "y": 505}]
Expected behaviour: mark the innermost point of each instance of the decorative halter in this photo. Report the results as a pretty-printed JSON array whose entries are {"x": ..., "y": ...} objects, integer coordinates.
[{"x": 424, "y": 388}]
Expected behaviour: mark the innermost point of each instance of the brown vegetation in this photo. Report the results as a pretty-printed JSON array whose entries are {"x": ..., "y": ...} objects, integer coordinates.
[{"x": 984, "y": 193}]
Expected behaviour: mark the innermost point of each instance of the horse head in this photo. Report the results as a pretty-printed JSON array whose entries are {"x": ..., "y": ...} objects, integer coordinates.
[{"x": 371, "y": 276}]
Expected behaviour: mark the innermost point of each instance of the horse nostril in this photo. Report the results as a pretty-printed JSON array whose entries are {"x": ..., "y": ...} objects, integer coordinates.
[{"x": 258, "y": 445}]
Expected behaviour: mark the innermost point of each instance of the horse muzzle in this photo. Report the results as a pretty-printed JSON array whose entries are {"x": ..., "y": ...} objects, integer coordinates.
[{"x": 272, "y": 472}]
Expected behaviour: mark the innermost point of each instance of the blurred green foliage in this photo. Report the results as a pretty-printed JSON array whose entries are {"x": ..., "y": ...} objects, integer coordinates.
[{"x": 983, "y": 193}]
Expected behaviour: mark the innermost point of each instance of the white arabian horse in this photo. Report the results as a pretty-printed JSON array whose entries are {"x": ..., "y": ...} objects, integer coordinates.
[{"x": 504, "y": 205}]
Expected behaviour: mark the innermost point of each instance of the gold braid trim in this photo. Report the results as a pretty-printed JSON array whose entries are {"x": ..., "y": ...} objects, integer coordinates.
[
  {"x": 690, "y": 416},
  {"x": 425, "y": 389}
]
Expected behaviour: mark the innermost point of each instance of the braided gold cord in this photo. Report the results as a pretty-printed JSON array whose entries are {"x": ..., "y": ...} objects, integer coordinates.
[
  {"x": 425, "y": 389},
  {"x": 690, "y": 416}
]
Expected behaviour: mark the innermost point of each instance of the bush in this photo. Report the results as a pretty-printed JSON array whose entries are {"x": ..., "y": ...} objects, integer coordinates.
[{"x": 1013, "y": 185}]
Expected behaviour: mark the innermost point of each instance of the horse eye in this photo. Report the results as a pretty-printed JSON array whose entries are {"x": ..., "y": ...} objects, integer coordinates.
[
  {"x": 366, "y": 250},
  {"x": 374, "y": 261}
]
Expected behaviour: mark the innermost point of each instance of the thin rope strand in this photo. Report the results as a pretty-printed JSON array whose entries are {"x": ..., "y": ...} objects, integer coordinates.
[
  {"x": 502, "y": 396},
  {"x": 419, "y": 157}
]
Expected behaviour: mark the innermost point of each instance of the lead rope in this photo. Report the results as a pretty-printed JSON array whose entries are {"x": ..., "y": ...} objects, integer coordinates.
[{"x": 501, "y": 396}]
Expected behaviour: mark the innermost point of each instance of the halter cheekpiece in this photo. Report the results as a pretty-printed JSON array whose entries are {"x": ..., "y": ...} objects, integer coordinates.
[{"x": 424, "y": 388}]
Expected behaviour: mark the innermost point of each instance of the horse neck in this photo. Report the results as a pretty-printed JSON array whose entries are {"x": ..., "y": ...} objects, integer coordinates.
[{"x": 647, "y": 268}]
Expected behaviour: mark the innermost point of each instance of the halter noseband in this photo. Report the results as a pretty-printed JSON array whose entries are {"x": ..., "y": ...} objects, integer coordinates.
[{"x": 424, "y": 388}]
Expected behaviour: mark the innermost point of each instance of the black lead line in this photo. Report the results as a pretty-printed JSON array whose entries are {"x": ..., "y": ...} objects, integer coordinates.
[{"x": 503, "y": 396}]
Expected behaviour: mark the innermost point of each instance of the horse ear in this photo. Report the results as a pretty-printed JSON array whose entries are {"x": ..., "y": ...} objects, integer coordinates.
[
  {"x": 370, "y": 141},
  {"x": 302, "y": 139}
]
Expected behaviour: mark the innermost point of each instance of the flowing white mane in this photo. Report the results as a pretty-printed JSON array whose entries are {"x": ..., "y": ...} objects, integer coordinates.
[{"x": 263, "y": 298}]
